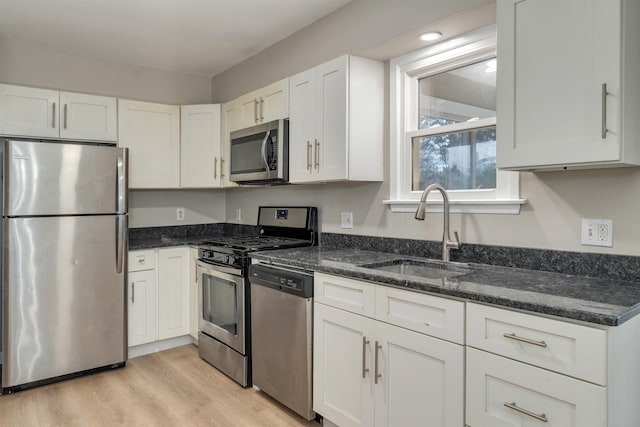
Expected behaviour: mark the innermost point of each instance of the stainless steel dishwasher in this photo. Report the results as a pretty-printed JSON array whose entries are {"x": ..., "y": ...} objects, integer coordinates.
[{"x": 281, "y": 334}]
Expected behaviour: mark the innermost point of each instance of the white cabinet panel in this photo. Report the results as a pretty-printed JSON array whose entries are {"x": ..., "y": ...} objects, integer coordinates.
[
  {"x": 173, "y": 292},
  {"x": 552, "y": 109},
  {"x": 342, "y": 366},
  {"x": 264, "y": 105},
  {"x": 421, "y": 379},
  {"x": 200, "y": 150},
  {"x": 142, "y": 260},
  {"x": 575, "y": 350},
  {"x": 336, "y": 121},
  {"x": 29, "y": 112},
  {"x": 151, "y": 132},
  {"x": 142, "y": 307},
  {"x": 228, "y": 124},
  {"x": 88, "y": 117},
  {"x": 502, "y": 392},
  {"x": 439, "y": 317},
  {"x": 193, "y": 294},
  {"x": 352, "y": 295}
]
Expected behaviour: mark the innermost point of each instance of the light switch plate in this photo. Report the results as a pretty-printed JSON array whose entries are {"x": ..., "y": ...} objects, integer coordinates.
[{"x": 346, "y": 220}]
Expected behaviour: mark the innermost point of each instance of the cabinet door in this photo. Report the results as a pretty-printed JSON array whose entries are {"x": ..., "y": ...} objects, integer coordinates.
[
  {"x": 200, "y": 154},
  {"x": 302, "y": 127},
  {"x": 248, "y": 114},
  {"x": 173, "y": 292},
  {"x": 421, "y": 379},
  {"x": 88, "y": 117},
  {"x": 550, "y": 100},
  {"x": 343, "y": 366},
  {"x": 330, "y": 151},
  {"x": 142, "y": 307},
  {"x": 151, "y": 132},
  {"x": 274, "y": 101},
  {"x": 228, "y": 125},
  {"x": 29, "y": 112},
  {"x": 503, "y": 393}
]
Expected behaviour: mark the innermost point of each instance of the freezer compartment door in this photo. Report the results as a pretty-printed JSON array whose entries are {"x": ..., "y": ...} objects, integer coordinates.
[
  {"x": 50, "y": 178},
  {"x": 64, "y": 288}
]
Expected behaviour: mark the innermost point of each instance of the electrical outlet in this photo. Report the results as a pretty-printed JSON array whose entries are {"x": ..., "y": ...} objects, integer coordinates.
[
  {"x": 597, "y": 232},
  {"x": 180, "y": 214},
  {"x": 346, "y": 220}
]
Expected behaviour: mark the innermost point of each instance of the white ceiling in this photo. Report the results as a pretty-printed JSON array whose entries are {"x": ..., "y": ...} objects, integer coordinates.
[{"x": 199, "y": 37}]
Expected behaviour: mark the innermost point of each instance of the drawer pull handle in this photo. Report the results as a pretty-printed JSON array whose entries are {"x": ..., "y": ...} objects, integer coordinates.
[
  {"x": 365, "y": 341},
  {"x": 525, "y": 340},
  {"x": 541, "y": 417},
  {"x": 377, "y": 375},
  {"x": 426, "y": 324}
]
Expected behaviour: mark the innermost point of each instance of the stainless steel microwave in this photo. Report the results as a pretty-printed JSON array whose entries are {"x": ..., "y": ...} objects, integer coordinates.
[{"x": 260, "y": 154}]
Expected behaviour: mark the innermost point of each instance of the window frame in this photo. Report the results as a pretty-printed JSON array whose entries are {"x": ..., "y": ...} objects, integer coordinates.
[{"x": 405, "y": 72}]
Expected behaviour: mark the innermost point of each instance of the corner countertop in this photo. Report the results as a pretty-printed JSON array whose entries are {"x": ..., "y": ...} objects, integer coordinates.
[{"x": 599, "y": 301}]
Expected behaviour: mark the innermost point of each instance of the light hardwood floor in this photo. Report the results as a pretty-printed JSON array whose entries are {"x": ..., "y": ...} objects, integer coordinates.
[{"x": 170, "y": 388}]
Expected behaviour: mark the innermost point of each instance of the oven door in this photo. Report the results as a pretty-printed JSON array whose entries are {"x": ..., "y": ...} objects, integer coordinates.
[{"x": 221, "y": 297}]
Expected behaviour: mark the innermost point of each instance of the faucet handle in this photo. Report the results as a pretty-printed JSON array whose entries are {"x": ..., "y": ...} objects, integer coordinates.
[{"x": 456, "y": 244}]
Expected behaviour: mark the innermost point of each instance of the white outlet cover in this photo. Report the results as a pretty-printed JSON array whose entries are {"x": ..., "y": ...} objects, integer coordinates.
[
  {"x": 346, "y": 220},
  {"x": 597, "y": 232}
]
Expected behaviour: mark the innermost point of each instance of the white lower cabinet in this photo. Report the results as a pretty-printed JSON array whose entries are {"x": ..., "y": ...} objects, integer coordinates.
[
  {"x": 173, "y": 292},
  {"x": 368, "y": 372},
  {"x": 503, "y": 393},
  {"x": 142, "y": 307},
  {"x": 193, "y": 293},
  {"x": 158, "y": 295},
  {"x": 142, "y": 297}
]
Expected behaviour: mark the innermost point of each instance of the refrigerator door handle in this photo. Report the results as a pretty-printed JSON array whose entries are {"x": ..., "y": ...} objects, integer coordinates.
[
  {"x": 121, "y": 241},
  {"x": 121, "y": 185}
]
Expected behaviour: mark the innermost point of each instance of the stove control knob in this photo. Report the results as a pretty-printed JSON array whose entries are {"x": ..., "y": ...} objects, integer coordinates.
[{"x": 231, "y": 260}]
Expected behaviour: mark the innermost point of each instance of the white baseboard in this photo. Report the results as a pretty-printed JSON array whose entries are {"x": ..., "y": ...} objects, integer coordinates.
[{"x": 156, "y": 346}]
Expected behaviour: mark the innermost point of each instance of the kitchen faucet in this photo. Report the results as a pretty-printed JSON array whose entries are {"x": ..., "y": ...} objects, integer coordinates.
[{"x": 447, "y": 243}]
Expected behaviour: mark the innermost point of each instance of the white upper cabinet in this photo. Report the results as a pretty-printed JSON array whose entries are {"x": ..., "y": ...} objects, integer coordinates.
[
  {"x": 151, "y": 132},
  {"x": 44, "y": 113},
  {"x": 336, "y": 122},
  {"x": 200, "y": 150},
  {"x": 568, "y": 95},
  {"x": 264, "y": 105},
  {"x": 88, "y": 117},
  {"x": 228, "y": 124}
]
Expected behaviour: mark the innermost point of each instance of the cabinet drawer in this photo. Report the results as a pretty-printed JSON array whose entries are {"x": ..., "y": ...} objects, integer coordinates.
[
  {"x": 575, "y": 350},
  {"x": 503, "y": 392},
  {"x": 438, "y": 317},
  {"x": 351, "y": 295},
  {"x": 142, "y": 260}
]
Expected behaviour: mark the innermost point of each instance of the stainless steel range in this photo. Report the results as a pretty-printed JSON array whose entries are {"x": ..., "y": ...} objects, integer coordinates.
[{"x": 224, "y": 300}]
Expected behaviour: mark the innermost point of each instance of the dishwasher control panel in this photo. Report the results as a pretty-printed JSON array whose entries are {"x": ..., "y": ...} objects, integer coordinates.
[{"x": 295, "y": 281}]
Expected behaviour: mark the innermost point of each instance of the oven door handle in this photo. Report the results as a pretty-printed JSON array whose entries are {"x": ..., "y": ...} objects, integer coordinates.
[
  {"x": 213, "y": 268},
  {"x": 264, "y": 153}
]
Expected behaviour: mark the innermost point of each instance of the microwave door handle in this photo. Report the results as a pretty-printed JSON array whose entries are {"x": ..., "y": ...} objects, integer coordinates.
[{"x": 264, "y": 153}]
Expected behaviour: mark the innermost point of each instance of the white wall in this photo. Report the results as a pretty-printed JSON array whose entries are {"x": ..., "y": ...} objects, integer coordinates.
[{"x": 557, "y": 200}]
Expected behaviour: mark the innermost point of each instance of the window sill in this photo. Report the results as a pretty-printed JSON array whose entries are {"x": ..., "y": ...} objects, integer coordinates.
[{"x": 504, "y": 206}]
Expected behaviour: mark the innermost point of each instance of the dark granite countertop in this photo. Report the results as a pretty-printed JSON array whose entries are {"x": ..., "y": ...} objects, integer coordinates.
[
  {"x": 600, "y": 301},
  {"x": 149, "y": 242}
]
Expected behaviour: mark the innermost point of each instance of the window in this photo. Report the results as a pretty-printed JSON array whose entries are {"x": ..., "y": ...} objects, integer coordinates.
[{"x": 443, "y": 127}]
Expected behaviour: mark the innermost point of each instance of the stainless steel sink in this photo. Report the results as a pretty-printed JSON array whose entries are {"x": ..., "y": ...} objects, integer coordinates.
[{"x": 426, "y": 269}]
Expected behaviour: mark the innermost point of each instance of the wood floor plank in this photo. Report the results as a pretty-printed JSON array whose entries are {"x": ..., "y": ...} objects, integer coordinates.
[{"x": 170, "y": 388}]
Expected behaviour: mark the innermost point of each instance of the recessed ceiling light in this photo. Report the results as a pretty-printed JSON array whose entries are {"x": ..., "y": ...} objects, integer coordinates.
[{"x": 430, "y": 36}]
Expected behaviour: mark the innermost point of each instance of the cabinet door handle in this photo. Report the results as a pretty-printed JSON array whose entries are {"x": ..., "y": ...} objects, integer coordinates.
[
  {"x": 53, "y": 116},
  {"x": 221, "y": 168},
  {"x": 365, "y": 341},
  {"x": 215, "y": 167},
  {"x": 604, "y": 110},
  {"x": 377, "y": 375},
  {"x": 317, "y": 155},
  {"x": 65, "y": 116},
  {"x": 133, "y": 293},
  {"x": 261, "y": 109},
  {"x": 308, "y": 156},
  {"x": 525, "y": 340},
  {"x": 541, "y": 417},
  {"x": 255, "y": 110}
]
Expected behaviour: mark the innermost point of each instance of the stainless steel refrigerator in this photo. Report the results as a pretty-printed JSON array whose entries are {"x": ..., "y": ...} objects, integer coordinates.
[{"x": 63, "y": 260}]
